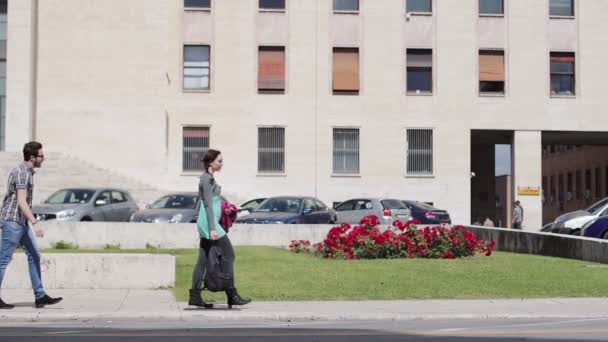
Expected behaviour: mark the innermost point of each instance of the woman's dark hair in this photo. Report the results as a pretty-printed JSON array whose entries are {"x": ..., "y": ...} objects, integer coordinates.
[
  {"x": 31, "y": 150},
  {"x": 210, "y": 157}
]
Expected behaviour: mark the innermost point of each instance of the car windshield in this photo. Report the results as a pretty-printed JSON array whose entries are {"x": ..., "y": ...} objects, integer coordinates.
[
  {"x": 393, "y": 204},
  {"x": 71, "y": 196},
  {"x": 280, "y": 205},
  {"x": 251, "y": 204},
  {"x": 425, "y": 206},
  {"x": 597, "y": 206},
  {"x": 176, "y": 202}
]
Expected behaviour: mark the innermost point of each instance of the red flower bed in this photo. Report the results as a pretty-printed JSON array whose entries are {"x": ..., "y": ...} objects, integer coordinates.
[{"x": 401, "y": 240}]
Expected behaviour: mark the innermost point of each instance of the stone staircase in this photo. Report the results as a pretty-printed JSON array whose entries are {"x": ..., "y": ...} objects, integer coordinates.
[{"x": 61, "y": 171}]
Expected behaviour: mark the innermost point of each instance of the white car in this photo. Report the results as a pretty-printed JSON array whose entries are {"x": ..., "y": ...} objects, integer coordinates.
[{"x": 577, "y": 223}]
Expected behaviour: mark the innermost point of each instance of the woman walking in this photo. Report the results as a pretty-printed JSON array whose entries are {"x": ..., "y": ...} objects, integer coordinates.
[{"x": 212, "y": 233}]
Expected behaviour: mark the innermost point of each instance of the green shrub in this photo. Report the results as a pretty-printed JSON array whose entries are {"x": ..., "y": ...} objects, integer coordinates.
[
  {"x": 109, "y": 246},
  {"x": 64, "y": 245}
]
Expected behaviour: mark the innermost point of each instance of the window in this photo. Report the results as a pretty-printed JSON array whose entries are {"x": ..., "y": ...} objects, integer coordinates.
[
  {"x": 598, "y": 182},
  {"x": 271, "y": 69},
  {"x": 560, "y": 188},
  {"x": 271, "y": 149},
  {"x": 419, "y": 6},
  {"x": 561, "y": 8},
  {"x": 346, "y": 71},
  {"x": 579, "y": 185},
  {"x": 346, "y": 151},
  {"x": 195, "y": 145},
  {"x": 320, "y": 206},
  {"x": 419, "y": 152},
  {"x": 104, "y": 196},
  {"x": 544, "y": 188},
  {"x": 346, "y": 5},
  {"x": 491, "y": 7},
  {"x": 348, "y": 205},
  {"x": 491, "y": 72},
  {"x": 587, "y": 183},
  {"x": 196, "y": 67},
  {"x": 552, "y": 188},
  {"x": 363, "y": 205},
  {"x": 562, "y": 73},
  {"x": 118, "y": 197},
  {"x": 272, "y": 4},
  {"x": 197, "y": 3},
  {"x": 419, "y": 71},
  {"x": 569, "y": 185}
]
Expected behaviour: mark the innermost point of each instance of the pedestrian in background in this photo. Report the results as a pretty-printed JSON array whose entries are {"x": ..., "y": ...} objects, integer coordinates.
[
  {"x": 212, "y": 233},
  {"x": 518, "y": 215},
  {"x": 15, "y": 213}
]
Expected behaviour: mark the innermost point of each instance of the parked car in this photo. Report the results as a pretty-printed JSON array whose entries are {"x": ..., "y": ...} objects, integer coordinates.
[
  {"x": 427, "y": 214},
  {"x": 173, "y": 208},
  {"x": 87, "y": 204},
  {"x": 559, "y": 225},
  {"x": 388, "y": 210},
  {"x": 596, "y": 228},
  {"x": 247, "y": 207},
  {"x": 290, "y": 210},
  {"x": 547, "y": 227}
]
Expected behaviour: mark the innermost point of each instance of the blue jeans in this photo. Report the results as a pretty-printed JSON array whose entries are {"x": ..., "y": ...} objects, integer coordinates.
[{"x": 13, "y": 235}]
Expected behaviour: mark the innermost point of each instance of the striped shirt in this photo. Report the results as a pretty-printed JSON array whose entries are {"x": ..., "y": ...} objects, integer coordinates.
[{"x": 21, "y": 177}]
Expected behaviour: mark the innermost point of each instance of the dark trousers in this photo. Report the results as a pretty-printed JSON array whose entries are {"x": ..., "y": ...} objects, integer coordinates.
[
  {"x": 516, "y": 225},
  {"x": 228, "y": 257}
]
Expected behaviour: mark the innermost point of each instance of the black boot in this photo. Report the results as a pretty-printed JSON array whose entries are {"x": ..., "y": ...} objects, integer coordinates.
[
  {"x": 235, "y": 299},
  {"x": 197, "y": 300},
  {"x": 4, "y": 305}
]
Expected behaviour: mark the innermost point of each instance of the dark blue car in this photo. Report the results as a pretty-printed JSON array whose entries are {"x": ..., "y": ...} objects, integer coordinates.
[
  {"x": 427, "y": 214},
  {"x": 291, "y": 210},
  {"x": 596, "y": 228}
]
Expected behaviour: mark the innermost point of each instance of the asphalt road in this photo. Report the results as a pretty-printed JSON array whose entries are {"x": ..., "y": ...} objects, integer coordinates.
[{"x": 380, "y": 331}]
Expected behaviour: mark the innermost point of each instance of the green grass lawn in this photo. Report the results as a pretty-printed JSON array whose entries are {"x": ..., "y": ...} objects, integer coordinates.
[{"x": 266, "y": 273}]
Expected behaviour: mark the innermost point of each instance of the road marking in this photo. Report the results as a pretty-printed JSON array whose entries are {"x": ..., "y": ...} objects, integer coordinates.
[{"x": 527, "y": 324}]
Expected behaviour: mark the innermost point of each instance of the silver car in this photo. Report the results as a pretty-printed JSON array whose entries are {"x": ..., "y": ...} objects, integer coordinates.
[
  {"x": 173, "y": 208},
  {"x": 87, "y": 204},
  {"x": 387, "y": 209}
]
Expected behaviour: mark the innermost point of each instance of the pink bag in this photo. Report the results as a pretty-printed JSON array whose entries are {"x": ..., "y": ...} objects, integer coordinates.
[{"x": 229, "y": 212}]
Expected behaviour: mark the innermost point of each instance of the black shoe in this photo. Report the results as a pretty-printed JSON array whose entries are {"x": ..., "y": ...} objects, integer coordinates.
[
  {"x": 46, "y": 300},
  {"x": 197, "y": 300},
  {"x": 235, "y": 299},
  {"x": 4, "y": 305}
]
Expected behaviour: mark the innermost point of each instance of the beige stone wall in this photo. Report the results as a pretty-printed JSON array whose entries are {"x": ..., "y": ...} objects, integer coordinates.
[{"x": 110, "y": 90}]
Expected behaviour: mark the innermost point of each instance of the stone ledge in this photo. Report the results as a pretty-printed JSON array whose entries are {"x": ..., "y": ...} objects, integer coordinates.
[{"x": 95, "y": 271}]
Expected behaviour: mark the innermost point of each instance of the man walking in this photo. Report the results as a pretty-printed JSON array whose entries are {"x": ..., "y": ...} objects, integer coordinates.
[
  {"x": 15, "y": 213},
  {"x": 518, "y": 215}
]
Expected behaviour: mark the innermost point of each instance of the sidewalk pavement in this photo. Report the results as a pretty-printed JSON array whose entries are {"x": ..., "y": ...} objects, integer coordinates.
[{"x": 86, "y": 305}]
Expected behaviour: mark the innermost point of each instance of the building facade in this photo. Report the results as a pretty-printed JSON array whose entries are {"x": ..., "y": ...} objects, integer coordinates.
[{"x": 336, "y": 99}]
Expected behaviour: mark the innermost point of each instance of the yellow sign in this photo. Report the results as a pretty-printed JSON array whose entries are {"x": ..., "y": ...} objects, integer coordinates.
[{"x": 528, "y": 191}]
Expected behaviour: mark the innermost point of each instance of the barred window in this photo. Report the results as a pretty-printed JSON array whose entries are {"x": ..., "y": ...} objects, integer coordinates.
[
  {"x": 419, "y": 6},
  {"x": 419, "y": 152},
  {"x": 561, "y": 8},
  {"x": 346, "y": 150},
  {"x": 271, "y": 149},
  {"x": 195, "y": 145},
  {"x": 196, "y": 67},
  {"x": 493, "y": 7},
  {"x": 197, "y": 3},
  {"x": 346, "y": 5}
]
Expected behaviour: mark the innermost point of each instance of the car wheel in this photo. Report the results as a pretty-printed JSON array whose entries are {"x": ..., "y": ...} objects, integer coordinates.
[
  {"x": 86, "y": 219},
  {"x": 576, "y": 232},
  {"x": 605, "y": 236}
]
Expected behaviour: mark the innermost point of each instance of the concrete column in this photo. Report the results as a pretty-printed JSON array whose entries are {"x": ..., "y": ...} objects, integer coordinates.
[
  {"x": 19, "y": 73},
  {"x": 527, "y": 167}
]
